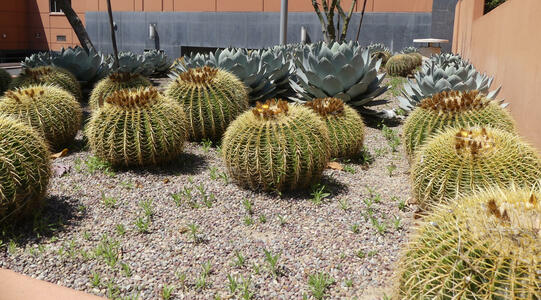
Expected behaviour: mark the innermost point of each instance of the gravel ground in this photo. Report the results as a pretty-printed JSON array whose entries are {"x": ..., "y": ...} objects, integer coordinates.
[{"x": 92, "y": 236}]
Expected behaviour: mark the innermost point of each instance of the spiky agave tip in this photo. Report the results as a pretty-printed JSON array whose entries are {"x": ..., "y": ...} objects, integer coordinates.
[
  {"x": 327, "y": 106},
  {"x": 199, "y": 76},
  {"x": 271, "y": 109},
  {"x": 455, "y": 101},
  {"x": 473, "y": 141},
  {"x": 134, "y": 98},
  {"x": 122, "y": 76}
]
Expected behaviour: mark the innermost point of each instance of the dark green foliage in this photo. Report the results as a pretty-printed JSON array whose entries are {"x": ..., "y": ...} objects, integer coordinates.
[
  {"x": 492, "y": 4},
  {"x": 25, "y": 169}
]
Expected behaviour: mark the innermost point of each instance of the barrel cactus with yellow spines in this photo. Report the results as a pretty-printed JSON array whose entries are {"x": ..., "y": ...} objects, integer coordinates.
[
  {"x": 485, "y": 246},
  {"x": 212, "y": 98},
  {"x": 417, "y": 59},
  {"x": 48, "y": 75},
  {"x": 5, "y": 80},
  {"x": 51, "y": 111},
  {"x": 25, "y": 169},
  {"x": 137, "y": 127},
  {"x": 459, "y": 161},
  {"x": 453, "y": 109},
  {"x": 344, "y": 124},
  {"x": 276, "y": 147},
  {"x": 115, "y": 82},
  {"x": 400, "y": 65}
]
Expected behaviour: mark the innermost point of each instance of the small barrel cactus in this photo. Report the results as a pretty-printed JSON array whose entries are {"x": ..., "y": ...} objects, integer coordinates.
[
  {"x": 400, "y": 65},
  {"x": 459, "y": 161},
  {"x": 115, "y": 82},
  {"x": 137, "y": 127},
  {"x": 485, "y": 246},
  {"x": 50, "y": 110},
  {"x": 417, "y": 59},
  {"x": 5, "y": 80},
  {"x": 25, "y": 169},
  {"x": 212, "y": 98},
  {"x": 344, "y": 124},
  {"x": 276, "y": 147},
  {"x": 48, "y": 75},
  {"x": 453, "y": 109}
]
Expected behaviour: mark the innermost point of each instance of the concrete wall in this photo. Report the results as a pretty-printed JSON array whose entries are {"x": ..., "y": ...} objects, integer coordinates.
[
  {"x": 505, "y": 43},
  {"x": 443, "y": 15},
  {"x": 243, "y": 29}
]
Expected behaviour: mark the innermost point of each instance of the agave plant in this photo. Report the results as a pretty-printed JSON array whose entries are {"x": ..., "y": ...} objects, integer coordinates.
[
  {"x": 129, "y": 62},
  {"x": 448, "y": 60},
  {"x": 88, "y": 67},
  {"x": 342, "y": 71},
  {"x": 435, "y": 78},
  {"x": 159, "y": 61},
  {"x": 408, "y": 50},
  {"x": 261, "y": 71}
]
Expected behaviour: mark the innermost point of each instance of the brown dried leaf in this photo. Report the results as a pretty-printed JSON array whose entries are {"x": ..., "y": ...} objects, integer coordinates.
[
  {"x": 335, "y": 166},
  {"x": 166, "y": 180},
  {"x": 60, "y": 154}
]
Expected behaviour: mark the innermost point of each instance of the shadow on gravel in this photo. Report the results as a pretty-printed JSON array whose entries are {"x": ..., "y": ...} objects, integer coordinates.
[
  {"x": 329, "y": 184},
  {"x": 58, "y": 213},
  {"x": 186, "y": 163},
  {"x": 374, "y": 122}
]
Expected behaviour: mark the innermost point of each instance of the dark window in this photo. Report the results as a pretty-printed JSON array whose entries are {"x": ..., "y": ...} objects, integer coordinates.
[
  {"x": 55, "y": 7},
  {"x": 61, "y": 38}
]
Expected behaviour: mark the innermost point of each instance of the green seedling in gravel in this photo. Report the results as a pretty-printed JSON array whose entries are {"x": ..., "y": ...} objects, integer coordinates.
[
  {"x": 181, "y": 277},
  {"x": 248, "y": 206},
  {"x": 248, "y": 221},
  {"x": 94, "y": 164},
  {"x": 224, "y": 177},
  {"x": 213, "y": 173},
  {"x": 167, "y": 291},
  {"x": 108, "y": 250},
  {"x": 95, "y": 279},
  {"x": 109, "y": 202},
  {"x": 81, "y": 208},
  {"x": 246, "y": 293},
  {"x": 397, "y": 222},
  {"x": 206, "y": 143},
  {"x": 85, "y": 254},
  {"x": 219, "y": 149},
  {"x": 380, "y": 152},
  {"x": 126, "y": 270},
  {"x": 142, "y": 224},
  {"x": 380, "y": 227},
  {"x": 350, "y": 169},
  {"x": 177, "y": 198},
  {"x": 262, "y": 219},
  {"x": 282, "y": 220},
  {"x": 208, "y": 199},
  {"x": 365, "y": 157},
  {"x": 396, "y": 83},
  {"x": 12, "y": 247},
  {"x": 344, "y": 205},
  {"x": 201, "y": 282},
  {"x": 146, "y": 205},
  {"x": 318, "y": 194},
  {"x": 319, "y": 284},
  {"x": 372, "y": 253},
  {"x": 256, "y": 268},
  {"x": 194, "y": 232},
  {"x": 401, "y": 203},
  {"x": 360, "y": 254},
  {"x": 42, "y": 248},
  {"x": 355, "y": 228},
  {"x": 272, "y": 261},
  {"x": 113, "y": 291},
  {"x": 390, "y": 169},
  {"x": 348, "y": 283},
  {"x": 233, "y": 283},
  {"x": 239, "y": 260},
  {"x": 127, "y": 184}
]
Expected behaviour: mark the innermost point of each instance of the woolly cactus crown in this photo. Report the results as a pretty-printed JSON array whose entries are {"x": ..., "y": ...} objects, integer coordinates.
[
  {"x": 48, "y": 75},
  {"x": 449, "y": 102},
  {"x": 327, "y": 106},
  {"x": 484, "y": 246},
  {"x": 115, "y": 82},
  {"x": 199, "y": 76}
]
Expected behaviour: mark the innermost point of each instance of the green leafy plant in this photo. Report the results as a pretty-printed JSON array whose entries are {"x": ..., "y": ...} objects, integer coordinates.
[
  {"x": 319, "y": 284},
  {"x": 272, "y": 261}
]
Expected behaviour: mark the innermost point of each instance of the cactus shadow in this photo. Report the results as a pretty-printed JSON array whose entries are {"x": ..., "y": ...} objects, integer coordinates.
[
  {"x": 186, "y": 163},
  {"x": 57, "y": 215},
  {"x": 332, "y": 186}
]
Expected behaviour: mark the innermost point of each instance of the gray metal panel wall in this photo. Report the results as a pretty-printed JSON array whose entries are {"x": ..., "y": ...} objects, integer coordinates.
[
  {"x": 443, "y": 19},
  {"x": 243, "y": 29}
]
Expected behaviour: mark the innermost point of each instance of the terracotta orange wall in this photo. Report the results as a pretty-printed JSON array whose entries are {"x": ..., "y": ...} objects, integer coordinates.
[
  {"x": 505, "y": 43},
  {"x": 13, "y": 27}
]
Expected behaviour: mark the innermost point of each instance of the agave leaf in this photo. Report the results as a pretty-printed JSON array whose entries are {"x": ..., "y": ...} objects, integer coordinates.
[{"x": 331, "y": 85}]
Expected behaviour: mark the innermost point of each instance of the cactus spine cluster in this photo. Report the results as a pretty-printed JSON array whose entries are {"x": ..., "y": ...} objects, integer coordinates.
[
  {"x": 115, "y": 82},
  {"x": 5, "y": 80},
  {"x": 400, "y": 65},
  {"x": 453, "y": 109},
  {"x": 276, "y": 147},
  {"x": 25, "y": 169},
  {"x": 50, "y": 110},
  {"x": 48, "y": 75},
  {"x": 137, "y": 127},
  {"x": 459, "y": 161},
  {"x": 344, "y": 124},
  {"x": 211, "y": 98},
  {"x": 485, "y": 246}
]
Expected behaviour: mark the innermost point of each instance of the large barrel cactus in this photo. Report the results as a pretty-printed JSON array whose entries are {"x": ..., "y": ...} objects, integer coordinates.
[
  {"x": 344, "y": 71},
  {"x": 48, "y": 75},
  {"x": 211, "y": 99},
  {"x": 50, "y": 110},
  {"x": 453, "y": 109},
  {"x": 485, "y": 246},
  {"x": 5, "y": 80},
  {"x": 459, "y": 161},
  {"x": 400, "y": 65},
  {"x": 344, "y": 124},
  {"x": 137, "y": 127},
  {"x": 115, "y": 82},
  {"x": 25, "y": 169},
  {"x": 276, "y": 147}
]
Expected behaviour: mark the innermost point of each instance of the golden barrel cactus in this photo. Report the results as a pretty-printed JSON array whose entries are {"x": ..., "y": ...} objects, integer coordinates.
[
  {"x": 137, "y": 127},
  {"x": 115, "y": 82},
  {"x": 344, "y": 124},
  {"x": 459, "y": 161},
  {"x": 485, "y": 246},
  {"x": 453, "y": 109},
  {"x": 276, "y": 147},
  {"x": 48, "y": 75},
  {"x": 212, "y": 98}
]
